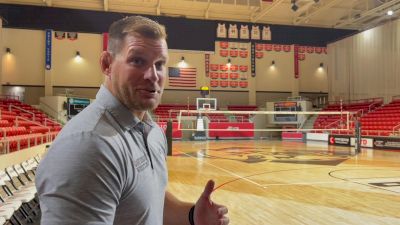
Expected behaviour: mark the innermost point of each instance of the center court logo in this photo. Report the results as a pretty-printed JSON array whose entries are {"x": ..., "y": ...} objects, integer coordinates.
[{"x": 260, "y": 155}]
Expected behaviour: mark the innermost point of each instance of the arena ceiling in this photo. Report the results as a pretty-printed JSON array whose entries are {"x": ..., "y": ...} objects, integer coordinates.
[{"x": 344, "y": 14}]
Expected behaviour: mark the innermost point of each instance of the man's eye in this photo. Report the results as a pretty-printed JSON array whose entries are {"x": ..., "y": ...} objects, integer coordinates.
[
  {"x": 160, "y": 65},
  {"x": 137, "y": 61}
]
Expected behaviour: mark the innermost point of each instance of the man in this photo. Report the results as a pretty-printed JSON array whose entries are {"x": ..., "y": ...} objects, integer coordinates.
[{"x": 107, "y": 166}]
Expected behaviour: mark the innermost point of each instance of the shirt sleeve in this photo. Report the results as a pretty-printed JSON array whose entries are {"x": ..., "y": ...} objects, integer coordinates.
[{"x": 80, "y": 181}]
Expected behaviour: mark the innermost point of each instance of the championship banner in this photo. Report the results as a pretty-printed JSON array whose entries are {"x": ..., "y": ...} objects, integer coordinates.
[
  {"x": 59, "y": 35},
  {"x": 72, "y": 36},
  {"x": 207, "y": 64},
  {"x": 253, "y": 59},
  {"x": 296, "y": 61},
  {"x": 48, "y": 50},
  {"x": 105, "y": 41}
]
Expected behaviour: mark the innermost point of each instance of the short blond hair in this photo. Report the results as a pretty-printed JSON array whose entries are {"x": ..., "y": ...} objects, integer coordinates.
[{"x": 136, "y": 26}]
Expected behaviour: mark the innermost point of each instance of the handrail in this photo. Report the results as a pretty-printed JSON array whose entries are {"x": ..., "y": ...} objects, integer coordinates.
[
  {"x": 370, "y": 106},
  {"x": 34, "y": 122},
  {"x": 366, "y": 100},
  {"x": 5, "y": 143},
  {"x": 21, "y": 109},
  {"x": 329, "y": 125},
  {"x": 53, "y": 121},
  {"x": 395, "y": 97},
  {"x": 14, "y": 97},
  {"x": 397, "y": 126}
]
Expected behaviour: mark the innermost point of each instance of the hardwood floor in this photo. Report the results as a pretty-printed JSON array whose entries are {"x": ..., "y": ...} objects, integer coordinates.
[{"x": 276, "y": 182}]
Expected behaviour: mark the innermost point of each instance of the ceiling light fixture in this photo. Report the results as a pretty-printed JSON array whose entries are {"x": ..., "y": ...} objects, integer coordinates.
[{"x": 294, "y": 6}]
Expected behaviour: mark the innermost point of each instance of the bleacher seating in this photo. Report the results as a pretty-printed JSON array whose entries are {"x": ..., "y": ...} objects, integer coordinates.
[
  {"x": 376, "y": 119},
  {"x": 383, "y": 121},
  {"x": 242, "y": 117},
  {"x": 23, "y": 126},
  {"x": 164, "y": 112},
  {"x": 358, "y": 108}
]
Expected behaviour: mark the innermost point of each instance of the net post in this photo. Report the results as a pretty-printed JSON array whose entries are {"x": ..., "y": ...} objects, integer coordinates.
[
  {"x": 169, "y": 137},
  {"x": 357, "y": 136}
]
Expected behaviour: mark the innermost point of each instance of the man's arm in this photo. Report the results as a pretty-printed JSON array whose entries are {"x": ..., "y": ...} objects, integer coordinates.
[
  {"x": 176, "y": 212},
  {"x": 206, "y": 212},
  {"x": 77, "y": 181}
]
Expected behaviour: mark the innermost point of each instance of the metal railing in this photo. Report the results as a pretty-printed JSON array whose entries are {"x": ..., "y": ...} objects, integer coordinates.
[
  {"x": 21, "y": 109},
  {"x": 17, "y": 143},
  {"x": 366, "y": 100}
]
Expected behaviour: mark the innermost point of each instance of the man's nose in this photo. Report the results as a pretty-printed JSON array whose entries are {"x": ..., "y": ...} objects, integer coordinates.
[{"x": 151, "y": 74}]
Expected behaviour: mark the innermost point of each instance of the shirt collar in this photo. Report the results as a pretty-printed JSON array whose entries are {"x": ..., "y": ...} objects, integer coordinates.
[{"x": 121, "y": 113}]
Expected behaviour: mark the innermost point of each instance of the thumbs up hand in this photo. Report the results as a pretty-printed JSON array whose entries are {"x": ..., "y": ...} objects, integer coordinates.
[{"x": 207, "y": 212}]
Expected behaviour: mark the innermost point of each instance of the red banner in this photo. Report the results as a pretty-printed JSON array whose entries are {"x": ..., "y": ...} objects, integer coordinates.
[
  {"x": 243, "y": 68},
  {"x": 296, "y": 61},
  {"x": 233, "y": 53},
  {"x": 277, "y": 47},
  {"x": 302, "y": 49},
  {"x": 234, "y": 76},
  {"x": 233, "y": 83},
  {"x": 223, "y": 75},
  {"x": 268, "y": 47},
  {"x": 223, "y": 67},
  {"x": 233, "y": 130},
  {"x": 243, "y": 54},
  {"x": 214, "y": 83},
  {"x": 207, "y": 65},
  {"x": 259, "y": 47},
  {"x": 223, "y": 53},
  {"x": 287, "y": 48},
  {"x": 259, "y": 55},
  {"x": 223, "y": 83},
  {"x": 105, "y": 41},
  {"x": 214, "y": 75},
  {"x": 292, "y": 135},
  {"x": 234, "y": 68},
  {"x": 243, "y": 84},
  {"x": 223, "y": 44},
  {"x": 176, "y": 134},
  {"x": 214, "y": 67}
]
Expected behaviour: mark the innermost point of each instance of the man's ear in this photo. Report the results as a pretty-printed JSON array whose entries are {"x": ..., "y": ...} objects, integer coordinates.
[{"x": 105, "y": 63}]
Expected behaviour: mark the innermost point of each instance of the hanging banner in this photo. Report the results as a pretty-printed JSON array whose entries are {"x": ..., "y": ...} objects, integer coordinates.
[
  {"x": 207, "y": 64},
  {"x": 59, "y": 35},
  {"x": 296, "y": 61},
  {"x": 72, "y": 36},
  {"x": 253, "y": 59},
  {"x": 48, "y": 50},
  {"x": 105, "y": 41}
]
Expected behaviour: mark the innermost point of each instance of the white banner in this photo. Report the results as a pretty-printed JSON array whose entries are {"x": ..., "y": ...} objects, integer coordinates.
[
  {"x": 365, "y": 142},
  {"x": 317, "y": 136}
]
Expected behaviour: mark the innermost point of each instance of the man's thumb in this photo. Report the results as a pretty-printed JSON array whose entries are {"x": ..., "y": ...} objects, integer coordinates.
[{"x": 208, "y": 189}]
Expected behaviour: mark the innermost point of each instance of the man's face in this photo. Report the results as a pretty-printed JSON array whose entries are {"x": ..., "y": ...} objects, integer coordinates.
[{"x": 138, "y": 72}]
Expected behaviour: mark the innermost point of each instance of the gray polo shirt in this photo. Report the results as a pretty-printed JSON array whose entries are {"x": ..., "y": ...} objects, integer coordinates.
[{"x": 105, "y": 167}]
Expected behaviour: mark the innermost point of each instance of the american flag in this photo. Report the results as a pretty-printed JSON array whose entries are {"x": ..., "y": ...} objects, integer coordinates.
[{"x": 182, "y": 77}]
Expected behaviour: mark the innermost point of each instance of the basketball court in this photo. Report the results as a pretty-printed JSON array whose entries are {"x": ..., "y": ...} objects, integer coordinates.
[{"x": 282, "y": 182}]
